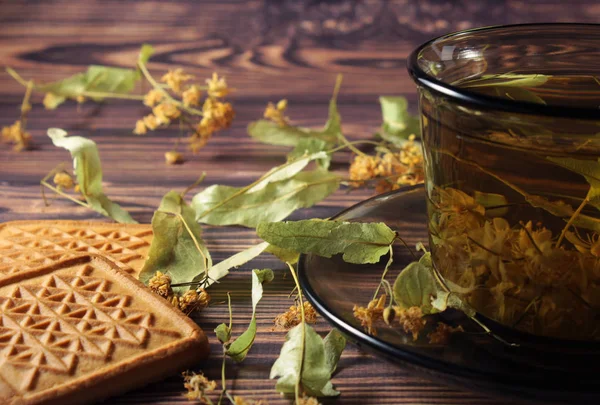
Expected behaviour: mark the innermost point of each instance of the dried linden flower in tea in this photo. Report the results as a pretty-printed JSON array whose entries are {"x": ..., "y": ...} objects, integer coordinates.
[
  {"x": 442, "y": 333},
  {"x": 371, "y": 314},
  {"x": 197, "y": 386},
  {"x": 277, "y": 113},
  {"x": 175, "y": 79},
  {"x": 63, "y": 180},
  {"x": 293, "y": 316}
]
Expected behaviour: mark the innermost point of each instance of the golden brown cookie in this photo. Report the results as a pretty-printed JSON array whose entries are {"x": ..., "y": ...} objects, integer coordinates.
[
  {"x": 29, "y": 244},
  {"x": 81, "y": 330}
]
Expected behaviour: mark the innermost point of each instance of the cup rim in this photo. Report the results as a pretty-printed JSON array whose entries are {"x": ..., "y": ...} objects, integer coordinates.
[{"x": 490, "y": 102}]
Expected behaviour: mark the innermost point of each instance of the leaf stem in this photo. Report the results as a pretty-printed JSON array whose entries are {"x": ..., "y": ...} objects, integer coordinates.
[
  {"x": 16, "y": 76},
  {"x": 301, "y": 304},
  {"x": 206, "y": 261},
  {"x": 165, "y": 93},
  {"x": 193, "y": 185},
  {"x": 57, "y": 191},
  {"x": 385, "y": 271},
  {"x": 101, "y": 94},
  {"x": 572, "y": 219}
]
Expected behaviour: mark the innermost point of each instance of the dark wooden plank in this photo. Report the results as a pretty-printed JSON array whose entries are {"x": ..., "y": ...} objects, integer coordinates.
[{"x": 268, "y": 50}]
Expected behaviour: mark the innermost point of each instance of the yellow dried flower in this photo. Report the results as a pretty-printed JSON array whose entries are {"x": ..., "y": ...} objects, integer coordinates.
[
  {"x": 191, "y": 97},
  {"x": 411, "y": 320},
  {"x": 175, "y": 78},
  {"x": 197, "y": 386},
  {"x": 217, "y": 87},
  {"x": 51, "y": 100},
  {"x": 442, "y": 333},
  {"x": 140, "y": 128},
  {"x": 17, "y": 136},
  {"x": 371, "y": 314},
  {"x": 165, "y": 112},
  {"x": 276, "y": 113},
  {"x": 63, "y": 180},
  {"x": 161, "y": 284},
  {"x": 192, "y": 300},
  {"x": 242, "y": 401},
  {"x": 306, "y": 400},
  {"x": 80, "y": 99},
  {"x": 293, "y": 316},
  {"x": 153, "y": 97},
  {"x": 173, "y": 157},
  {"x": 151, "y": 122},
  {"x": 217, "y": 116}
]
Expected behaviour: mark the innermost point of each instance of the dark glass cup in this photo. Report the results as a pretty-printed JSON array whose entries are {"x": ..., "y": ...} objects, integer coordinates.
[{"x": 510, "y": 120}]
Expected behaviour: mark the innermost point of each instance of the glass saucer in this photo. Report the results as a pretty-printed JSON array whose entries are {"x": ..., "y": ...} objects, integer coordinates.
[{"x": 561, "y": 372}]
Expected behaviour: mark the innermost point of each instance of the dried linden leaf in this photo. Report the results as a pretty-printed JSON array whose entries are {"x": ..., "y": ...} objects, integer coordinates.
[
  {"x": 416, "y": 285},
  {"x": 221, "y": 269},
  {"x": 358, "y": 242},
  {"x": 274, "y": 134},
  {"x": 312, "y": 360},
  {"x": 273, "y": 202},
  {"x": 87, "y": 168},
  {"x": 240, "y": 347},
  {"x": 173, "y": 250},
  {"x": 310, "y": 146},
  {"x": 398, "y": 123}
]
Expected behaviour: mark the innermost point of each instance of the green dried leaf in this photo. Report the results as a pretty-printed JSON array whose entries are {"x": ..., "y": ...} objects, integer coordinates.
[
  {"x": 398, "y": 123},
  {"x": 271, "y": 133},
  {"x": 88, "y": 170},
  {"x": 416, "y": 285},
  {"x": 492, "y": 200},
  {"x": 99, "y": 79},
  {"x": 273, "y": 202},
  {"x": 173, "y": 250},
  {"x": 239, "y": 347},
  {"x": 310, "y": 146},
  {"x": 519, "y": 94},
  {"x": 445, "y": 300},
  {"x": 358, "y": 242},
  {"x": 507, "y": 80},
  {"x": 286, "y": 171},
  {"x": 307, "y": 357},
  {"x": 274, "y": 134},
  {"x": 335, "y": 343},
  {"x": 145, "y": 54},
  {"x": 221, "y": 269},
  {"x": 223, "y": 333},
  {"x": 285, "y": 255}
]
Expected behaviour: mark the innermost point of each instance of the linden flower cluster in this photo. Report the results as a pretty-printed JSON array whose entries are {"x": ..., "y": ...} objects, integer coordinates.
[
  {"x": 178, "y": 99},
  {"x": 410, "y": 320},
  {"x": 16, "y": 135},
  {"x": 391, "y": 169},
  {"x": 293, "y": 316},
  {"x": 197, "y": 386},
  {"x": 190, "y": 301},
  {"x": 523, "y": 276}
]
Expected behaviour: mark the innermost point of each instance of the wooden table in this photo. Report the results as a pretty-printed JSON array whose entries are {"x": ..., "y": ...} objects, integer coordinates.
[{"x": 268, "y": 50}]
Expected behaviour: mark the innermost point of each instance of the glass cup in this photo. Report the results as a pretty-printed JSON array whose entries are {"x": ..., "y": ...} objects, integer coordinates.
[{"x": 510, "y": 120}]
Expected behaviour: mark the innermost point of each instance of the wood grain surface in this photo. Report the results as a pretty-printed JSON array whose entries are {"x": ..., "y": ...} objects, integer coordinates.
[{"x": 268, "y": 50}]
